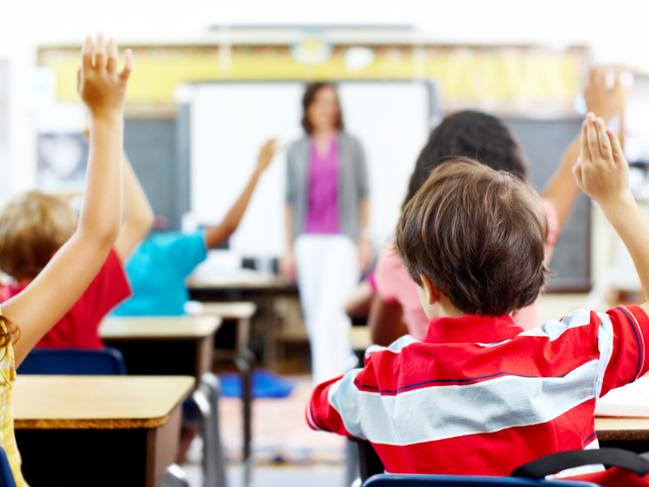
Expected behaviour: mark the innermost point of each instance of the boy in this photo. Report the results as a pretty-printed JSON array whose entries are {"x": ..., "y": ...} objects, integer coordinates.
[
  {"x": 478, "y": 395},
  {"x": 26, "y": 317},
  {"x": 33, "y": 226}
]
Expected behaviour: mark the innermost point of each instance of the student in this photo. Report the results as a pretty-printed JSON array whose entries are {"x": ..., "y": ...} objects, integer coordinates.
[
  {"x": 487, "y": 139},
  {"x": 33, "y": 226},
  {"x": 478, "y": 394},
  {"x": 28, "y": 315},
  {"x": 159, "y": 267}
]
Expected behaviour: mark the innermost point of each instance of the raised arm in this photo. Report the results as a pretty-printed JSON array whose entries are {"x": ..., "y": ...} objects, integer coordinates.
[
  {"x": 602, "y": 172},
  {"x": 602, "y": 100},
  {"x": 138, "y": 214},
  {"x": 216, "y": 235},
  {"x": 102, "y": 88}
]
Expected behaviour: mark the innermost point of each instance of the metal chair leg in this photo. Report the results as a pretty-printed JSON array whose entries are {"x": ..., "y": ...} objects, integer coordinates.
[
  {"x": 211, "y": 388},
  {"x": 209, "y": 471},
  {"x": 244, "y": 363},
  {"x": 174, "y": 477}
]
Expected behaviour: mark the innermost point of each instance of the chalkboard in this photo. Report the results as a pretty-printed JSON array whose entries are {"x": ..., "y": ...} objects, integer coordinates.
[
  {"x": 544, "y": 141},
  {"x": 151, "y": 146}
]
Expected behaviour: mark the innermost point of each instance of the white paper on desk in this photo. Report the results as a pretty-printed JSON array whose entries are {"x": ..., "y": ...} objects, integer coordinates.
[{"x": 631, "y": 401}]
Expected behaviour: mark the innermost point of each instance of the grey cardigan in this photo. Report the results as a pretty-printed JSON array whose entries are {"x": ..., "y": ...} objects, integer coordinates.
[{"x": 353, "y": 183}]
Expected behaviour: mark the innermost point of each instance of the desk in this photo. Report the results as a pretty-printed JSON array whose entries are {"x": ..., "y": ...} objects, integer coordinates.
[
  {"x": 163, "y": 345},
  {"x": 98, "y": 430}
]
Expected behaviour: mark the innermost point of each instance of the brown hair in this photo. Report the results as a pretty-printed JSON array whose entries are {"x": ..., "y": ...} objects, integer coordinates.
[
  {"x": 478, "y": 235},
  {"x": 308, "y": 98},
  {"x": 33, "y": 226}
]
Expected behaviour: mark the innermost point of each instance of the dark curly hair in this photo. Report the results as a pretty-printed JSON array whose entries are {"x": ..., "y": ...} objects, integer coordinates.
[
  {"x": 308, "y": 98},
  {"x": 473, "y": 134}
]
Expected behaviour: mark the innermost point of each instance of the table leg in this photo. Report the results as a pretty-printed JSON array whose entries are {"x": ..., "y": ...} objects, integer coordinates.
[{"x": 244, "y": 364}]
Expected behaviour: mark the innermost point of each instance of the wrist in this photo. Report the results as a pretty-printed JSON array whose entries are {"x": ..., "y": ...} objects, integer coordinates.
[
  {"x": 106, "y": 116},
  {"x": 615, "y": 204}
]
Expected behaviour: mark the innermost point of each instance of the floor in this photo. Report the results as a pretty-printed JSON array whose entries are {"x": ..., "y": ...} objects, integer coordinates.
[{"x": 286, "y": 452}]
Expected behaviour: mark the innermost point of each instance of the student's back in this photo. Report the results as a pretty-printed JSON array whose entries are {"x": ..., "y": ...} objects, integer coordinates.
[
  {"x": 478, "y": 395},
  {"x": 158, "y": 270}
]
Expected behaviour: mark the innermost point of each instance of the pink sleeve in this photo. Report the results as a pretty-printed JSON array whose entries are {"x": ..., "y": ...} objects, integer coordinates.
[{"x": 386, "y": 275}]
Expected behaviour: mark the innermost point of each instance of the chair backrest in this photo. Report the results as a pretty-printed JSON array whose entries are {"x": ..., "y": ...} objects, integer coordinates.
[
  {"x": 385, "y": 480},
  {"x": 6, "y": 476},
  {"x": 71, "y": 361}
]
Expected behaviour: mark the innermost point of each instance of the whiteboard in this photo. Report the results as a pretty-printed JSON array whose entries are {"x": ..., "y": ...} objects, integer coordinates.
[{"x": 229, "y": 121}]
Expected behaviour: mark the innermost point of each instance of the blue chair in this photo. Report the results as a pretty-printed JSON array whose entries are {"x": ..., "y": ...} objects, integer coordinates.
[
  {"x": 6, "y": 476},
  {"x": 71, "y": 361},
  {"x": 386, "y": 480}
]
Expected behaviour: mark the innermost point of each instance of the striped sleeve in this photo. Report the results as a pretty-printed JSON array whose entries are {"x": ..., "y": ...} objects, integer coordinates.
[
  {"x": 623, "y": 339},
  {"x": 335, "y": 406}
]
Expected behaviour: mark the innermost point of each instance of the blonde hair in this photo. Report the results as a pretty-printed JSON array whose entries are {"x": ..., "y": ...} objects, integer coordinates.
[{"x": 33, "y": 226}]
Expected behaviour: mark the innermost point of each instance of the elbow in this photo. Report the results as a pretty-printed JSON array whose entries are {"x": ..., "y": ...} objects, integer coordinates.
[{"x": 102, "y": 237}]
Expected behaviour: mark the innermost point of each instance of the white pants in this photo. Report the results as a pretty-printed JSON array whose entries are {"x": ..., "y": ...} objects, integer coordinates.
[{"x": 327, "y": 273}]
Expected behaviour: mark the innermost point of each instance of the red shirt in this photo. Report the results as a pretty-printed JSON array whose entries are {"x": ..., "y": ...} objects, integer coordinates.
[
  {"x": 480, "y": 395},
  {"x": 79, "y": 327}
]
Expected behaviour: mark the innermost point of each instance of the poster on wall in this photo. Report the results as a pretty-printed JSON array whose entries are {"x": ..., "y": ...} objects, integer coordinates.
[
  {"x": 61, "y": 161},
  {"x": 62, "y": 149}
]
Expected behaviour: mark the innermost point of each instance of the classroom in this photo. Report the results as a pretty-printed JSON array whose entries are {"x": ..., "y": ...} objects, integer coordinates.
[{"x": 351, "y": 244}]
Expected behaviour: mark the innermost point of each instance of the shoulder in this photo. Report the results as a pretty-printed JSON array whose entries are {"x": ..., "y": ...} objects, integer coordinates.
[
  {"x": 296, "y": 146},
  {"x": 391, "y": 274},
  {"x": 348, "y": 140}
]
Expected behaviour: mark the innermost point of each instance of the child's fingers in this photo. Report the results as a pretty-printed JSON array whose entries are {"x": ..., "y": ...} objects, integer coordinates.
[
  {"x": 111, "y": 64},
  {"x": 618, "y": 153},
  {"x": 591, "y": 135},
  {"x": 583, "y": 141},
  {"x": 100, "y": 52},
  {"x": 604, "y": 142},
  {"x": 128, "y": 65},
  {"x": 86, "y": 53},
  {"x": 577, "y": 173}
]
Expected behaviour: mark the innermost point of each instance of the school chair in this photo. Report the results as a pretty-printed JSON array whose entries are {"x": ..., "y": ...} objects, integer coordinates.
[
  {"x": 386, "y": 480},
  {"x": 70, "y": 361},
  {"x": 6, "y": 476},
  {"x": 174, "y": 477},
  {"x": 213, "y": 452}
]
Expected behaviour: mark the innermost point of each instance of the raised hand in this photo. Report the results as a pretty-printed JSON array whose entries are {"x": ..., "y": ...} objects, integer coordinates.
[
  {"x": 266, "y": 154},
  {"x": 99, "y": 83},
  {"x": 601, "y": 171},
  {"x": 602, "y": 93}
]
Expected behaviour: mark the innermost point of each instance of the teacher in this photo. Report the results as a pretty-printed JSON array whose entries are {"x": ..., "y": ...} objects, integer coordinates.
[{"x": 327, "y": 217}]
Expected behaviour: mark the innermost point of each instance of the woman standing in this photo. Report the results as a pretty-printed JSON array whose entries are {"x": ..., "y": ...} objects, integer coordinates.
[{"x": 327, "y": 217}]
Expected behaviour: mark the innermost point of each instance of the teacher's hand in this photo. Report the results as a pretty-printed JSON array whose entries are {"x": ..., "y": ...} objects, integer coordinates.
[{"x": 288, "y": 267}]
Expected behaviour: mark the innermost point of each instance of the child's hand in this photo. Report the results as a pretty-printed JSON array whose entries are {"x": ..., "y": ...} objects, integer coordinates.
[
  {"x": 101, "y": 86},
  {"x": 601, "y": 171},
  {"x": 266, "y": 154}
]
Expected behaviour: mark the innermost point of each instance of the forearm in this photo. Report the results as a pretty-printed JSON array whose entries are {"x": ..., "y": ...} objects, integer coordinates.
[
  {"x": 218, "y": 234},
  {"x": 364, "y": 218},
  {"x": 630, "y": 223},
  {"x": 562, "y": 191},
  {"x": 101, "y": 214},
  {"x": 138, "y": 214},
  {"x": 288, "y": 228}
]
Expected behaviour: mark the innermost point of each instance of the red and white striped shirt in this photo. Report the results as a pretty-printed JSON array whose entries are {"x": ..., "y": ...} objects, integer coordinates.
[{"x": 481, "y": 396}]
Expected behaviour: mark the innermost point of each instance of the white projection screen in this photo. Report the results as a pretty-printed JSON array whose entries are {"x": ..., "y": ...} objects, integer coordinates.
[{"x": 230, "y": 120}]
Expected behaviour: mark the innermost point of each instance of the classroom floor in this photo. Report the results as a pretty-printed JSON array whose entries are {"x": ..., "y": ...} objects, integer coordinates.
[{"x": 286, "y": 452}]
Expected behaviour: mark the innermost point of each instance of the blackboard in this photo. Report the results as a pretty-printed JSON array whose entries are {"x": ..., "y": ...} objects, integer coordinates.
[
  {"x": 151, "y": 145},
  {"x": 544, "y": 141}
]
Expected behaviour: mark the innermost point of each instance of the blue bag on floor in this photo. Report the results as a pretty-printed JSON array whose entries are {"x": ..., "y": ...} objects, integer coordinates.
[{"x": 264, "y": 385}]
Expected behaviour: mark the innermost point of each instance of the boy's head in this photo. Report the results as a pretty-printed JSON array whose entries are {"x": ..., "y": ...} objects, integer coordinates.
[
  {"x": 33, "y": 226},
  {"x": 474, "y": 236},
  {"x": 473, "y": 134}
]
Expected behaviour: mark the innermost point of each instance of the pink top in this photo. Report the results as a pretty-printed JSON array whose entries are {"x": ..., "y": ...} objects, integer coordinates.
[
  {"x": 322, "y": 212},
  {"x": 393, "y": 283}
]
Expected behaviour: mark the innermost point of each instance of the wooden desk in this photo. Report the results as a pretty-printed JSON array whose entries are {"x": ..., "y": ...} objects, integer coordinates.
[
  {"x": 163, "y": 345},
  {"x": 98, "y": 430}
]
